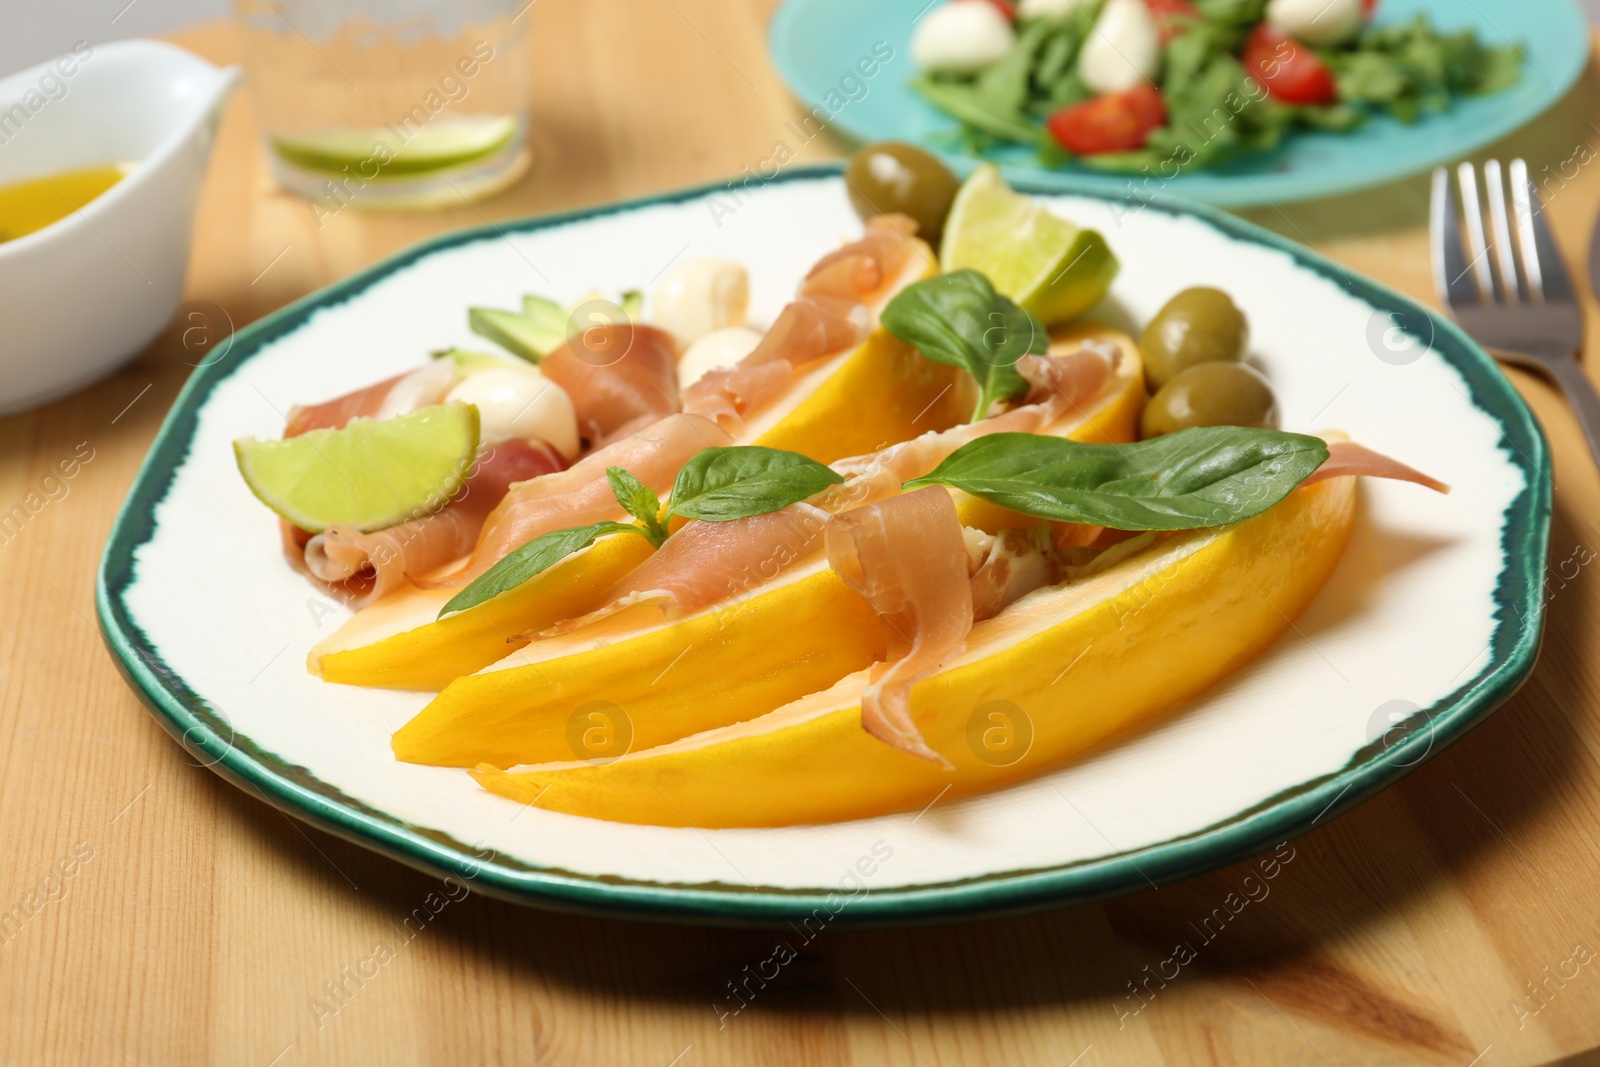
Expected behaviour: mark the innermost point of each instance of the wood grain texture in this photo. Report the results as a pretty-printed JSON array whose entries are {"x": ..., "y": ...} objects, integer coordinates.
[{"x": 199, "y": 925}]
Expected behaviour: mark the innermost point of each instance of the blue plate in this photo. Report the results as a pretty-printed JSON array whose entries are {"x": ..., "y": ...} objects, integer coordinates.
[{"x": 817, "y": 44}]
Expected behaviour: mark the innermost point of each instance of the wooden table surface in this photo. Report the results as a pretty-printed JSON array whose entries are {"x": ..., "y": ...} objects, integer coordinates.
[{"x": 168, "y": 918}]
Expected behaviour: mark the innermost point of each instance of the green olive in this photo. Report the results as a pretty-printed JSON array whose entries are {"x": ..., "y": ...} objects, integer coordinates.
[
  {"x": 1211, "y": 394},
  {"x": 1199, "y": 325},
  {"x": 891, "y": 177}
]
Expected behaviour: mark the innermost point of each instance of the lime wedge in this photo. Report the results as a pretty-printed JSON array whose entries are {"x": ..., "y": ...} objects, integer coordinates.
[
  {"x": 370, "y": 475},
  {"x": 1048, "y": 265},
  {"x": 438, "y": 146}
]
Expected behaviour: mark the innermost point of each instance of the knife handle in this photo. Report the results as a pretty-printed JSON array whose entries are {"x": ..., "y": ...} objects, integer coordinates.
[{"x": 1568, "y": 373}]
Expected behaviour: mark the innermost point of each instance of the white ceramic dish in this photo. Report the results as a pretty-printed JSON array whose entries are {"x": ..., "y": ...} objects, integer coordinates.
[
  {"x": 1435, "y": 604},
  {"x": 84, "y": 294}
]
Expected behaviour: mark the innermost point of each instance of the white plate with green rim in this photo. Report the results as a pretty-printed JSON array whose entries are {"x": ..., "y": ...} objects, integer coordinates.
[{"x": 1431, "y": 621}]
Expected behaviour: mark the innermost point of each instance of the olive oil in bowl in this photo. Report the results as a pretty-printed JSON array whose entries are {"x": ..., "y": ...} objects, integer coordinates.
[{"x": 35, "y": 203}]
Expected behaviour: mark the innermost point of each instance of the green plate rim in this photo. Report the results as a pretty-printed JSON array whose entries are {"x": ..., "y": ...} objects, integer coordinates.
[{"x": 205, "y": 733}]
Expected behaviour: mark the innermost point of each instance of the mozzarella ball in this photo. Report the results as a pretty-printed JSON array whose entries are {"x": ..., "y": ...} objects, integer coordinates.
[
  {"x": 1123, "y": 49},
  {"x": 714, "y": 351},
  {"x": 428, "y": 384},
  {"x": 961, "y": 36},
  {"x": 698, "y": 296},
  {"x": 1316, "y": 21},
  {"x": 519, "y": 402}
]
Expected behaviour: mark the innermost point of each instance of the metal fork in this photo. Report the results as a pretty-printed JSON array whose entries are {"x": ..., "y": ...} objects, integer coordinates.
[{"x": 1511, "y": 293}]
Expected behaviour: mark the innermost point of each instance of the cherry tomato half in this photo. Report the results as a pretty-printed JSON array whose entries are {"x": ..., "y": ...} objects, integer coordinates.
[
  {"x": 1174, "y": 17},
  {"x": 1289, "y": 70},
  {"x": 1110, "y": 122}
]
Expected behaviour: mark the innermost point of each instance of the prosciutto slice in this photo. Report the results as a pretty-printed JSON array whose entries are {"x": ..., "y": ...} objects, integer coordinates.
[
  {"x": 620, "y": 378},
  {"x": 726, "y": 395},
  {"x": 582, "y": 495},
  {"x": 1347, "y": 458},
  {"x": 705, "y": 563},
  {"x": 1063, "y": 385},
  {"x": 867, "y": 264},
  {"x": 361, "y": 567},
  {"x": 829, "y": 315},
  {"x": 908, "y": 557},
  {"x": 393, "y": 396}
]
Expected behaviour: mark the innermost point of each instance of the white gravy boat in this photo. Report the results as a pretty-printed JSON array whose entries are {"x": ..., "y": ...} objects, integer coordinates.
[{"x": 82, "y": 295}]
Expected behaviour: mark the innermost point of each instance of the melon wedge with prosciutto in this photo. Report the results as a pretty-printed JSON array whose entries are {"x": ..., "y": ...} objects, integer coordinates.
[
  {"x": 788, "y": 625},
  {"x": 825, "y": 382},
  {"x": 1058, "y": 673}
]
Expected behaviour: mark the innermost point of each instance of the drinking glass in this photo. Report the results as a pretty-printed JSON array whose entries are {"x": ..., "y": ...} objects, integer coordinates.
[{"x": 389, "y": 103}]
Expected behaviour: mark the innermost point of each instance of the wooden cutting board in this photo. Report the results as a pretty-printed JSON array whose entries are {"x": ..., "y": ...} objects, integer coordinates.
[{"x": 150, "y": 913}]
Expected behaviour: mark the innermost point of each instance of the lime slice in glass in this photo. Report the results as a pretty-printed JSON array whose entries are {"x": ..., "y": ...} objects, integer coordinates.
[
  {"x": 370, "y": 475},
  {"x": 440, "y": 145},
  {"x": 1048, "y": 265}
]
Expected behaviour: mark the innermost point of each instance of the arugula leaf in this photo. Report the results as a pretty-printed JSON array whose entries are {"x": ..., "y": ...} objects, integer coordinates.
[
  {"x": 721, "y": 484},
  {"x": 961, "y": 100},
  {"x": 1216, "y": 111},
  {"x": 1410, "y": 68},
  {"x": 640, "y": 501},
  {"x": 1243, "y": 13},
  {"x": 1198, "y": 477},
  {"x": 1002, "y": 87},
  {"x": 1375, "y": 78},
  {"x": 531, "y": 559},
  {"x": 1058, "y": 54},
  {"x": 1336, "y": 117},
  {"x": 1479, "y": 70},
  {"x": 959, "y": 319}
]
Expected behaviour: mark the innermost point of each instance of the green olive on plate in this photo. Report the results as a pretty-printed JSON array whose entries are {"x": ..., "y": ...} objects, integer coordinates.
[
  {"x": 1211, "y": 394},
  {"x": 890, "y": 177},
  {"x": 1199, "y": 325}
]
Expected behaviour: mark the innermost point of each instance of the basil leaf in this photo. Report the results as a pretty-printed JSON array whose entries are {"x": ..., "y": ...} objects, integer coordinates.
[
  {"x": 536, "y": 556},
  {"x": 638, "y": 500},
  {"x": 1015, "y": 333},
  {"x": 720, "y": 484},
  {"x": 959, "y": 319},
  {"x": 1198, "y": 477}
]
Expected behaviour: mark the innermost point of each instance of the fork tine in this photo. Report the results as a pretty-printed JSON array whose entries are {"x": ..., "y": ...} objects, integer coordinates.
[
  {"x": 1500, "y": 233},
  {"x": 1554, "y": 282},
  {"x": 1450, "y": 273},
  {"x": 1523, "y": 211},
  {"x": 1477, "y": 247}
]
